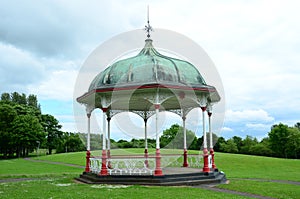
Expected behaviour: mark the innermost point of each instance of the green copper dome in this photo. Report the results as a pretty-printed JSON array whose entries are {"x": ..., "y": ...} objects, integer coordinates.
[{"x": 148, "y": 67}]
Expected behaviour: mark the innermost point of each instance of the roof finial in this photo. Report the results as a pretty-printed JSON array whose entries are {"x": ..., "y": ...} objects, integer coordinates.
[{"x": 148, "y": 28}]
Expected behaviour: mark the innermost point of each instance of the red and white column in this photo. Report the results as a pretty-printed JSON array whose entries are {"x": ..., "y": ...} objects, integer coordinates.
[
  {"x": 209, "y": 113},
  {"x": 103, "y": 171},
  {"x": 108, "y": 141},
  {"x": 185, "y": 162},
  {"x": 158, "y": 170},
  {"x": 146, "y": 144},
  {"x": 205, "y": 151},
  {"x": 88, "y": 146}
]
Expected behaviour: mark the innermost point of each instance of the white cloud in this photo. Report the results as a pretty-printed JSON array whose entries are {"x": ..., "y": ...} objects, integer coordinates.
[
  {"x": 58, "y": 85},
  {"x": 227, "y": 129},
  {"x": 18, "y": 69},
  {"x": 248, "y": 115},
  {"x": 258, "y": 126}
]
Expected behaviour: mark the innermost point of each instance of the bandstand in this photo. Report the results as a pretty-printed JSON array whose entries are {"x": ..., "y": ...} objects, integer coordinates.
[{"x": 147, "y": 84}]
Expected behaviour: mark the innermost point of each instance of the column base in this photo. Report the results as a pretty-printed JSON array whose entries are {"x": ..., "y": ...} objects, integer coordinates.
[
  {"x": 87, "y": 165},
  {"x": 205, "y": 158},
  {"x": 158, "y": 170},
  {"x": 185, "y": 162},
  {"x": 104, "y": 171},
  {"x": 213, "y": 159}
]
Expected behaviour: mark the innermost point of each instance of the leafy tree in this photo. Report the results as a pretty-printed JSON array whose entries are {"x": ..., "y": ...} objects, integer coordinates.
[
  {"x": 7, "y": 116},
  {"x": 278, "y": 139},
  {"x": 70, "y": 142},
  {"x": 53, "y": 133},
  {"x": 5, "y": 97},
  {"x": 238, "y": 141},
  {"x": 219, "y": 143},
  {"x": 27, "y": 130},
  {"x": 173, "y": 137},
  {"x": 229, "y": 146},
  {"x": 247, "y": 143},
  {"x": 33, "y": 102},
  {"x": 293, "y": 143}
]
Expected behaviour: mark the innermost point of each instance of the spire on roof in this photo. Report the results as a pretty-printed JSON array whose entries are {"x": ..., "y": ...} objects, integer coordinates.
[{"x": 148, "y": 28}]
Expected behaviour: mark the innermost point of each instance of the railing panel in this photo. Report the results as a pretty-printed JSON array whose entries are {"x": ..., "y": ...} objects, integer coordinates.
[{"x": 140, "y": 165}]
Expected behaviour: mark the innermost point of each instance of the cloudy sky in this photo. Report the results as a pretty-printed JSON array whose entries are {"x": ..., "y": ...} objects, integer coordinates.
[{"x": 255, "y": 46}]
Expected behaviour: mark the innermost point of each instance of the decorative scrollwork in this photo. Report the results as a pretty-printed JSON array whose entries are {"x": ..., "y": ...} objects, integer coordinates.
[{"x": 142, "y": 165}]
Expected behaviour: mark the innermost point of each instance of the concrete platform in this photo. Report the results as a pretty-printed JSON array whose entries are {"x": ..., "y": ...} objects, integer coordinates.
[{"x": 172, "y": 177}]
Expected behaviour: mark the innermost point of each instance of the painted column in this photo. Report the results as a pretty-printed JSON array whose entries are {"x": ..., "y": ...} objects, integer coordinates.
[
  {"x": 205, "y": 152},
  {"x": 158, "y": 170},
  {"x": 88, "y": 153},
  {"x": 103, "y": 171},
  {"x": 108, "y": 141},
  {"x": 185, "y": 162},
  {"x": 146, "y": 144},
  {"x": 211, "y": 146}
]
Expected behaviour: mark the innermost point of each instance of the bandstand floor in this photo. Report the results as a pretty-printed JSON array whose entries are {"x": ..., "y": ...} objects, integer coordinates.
[{"x": 172, "y": 176}]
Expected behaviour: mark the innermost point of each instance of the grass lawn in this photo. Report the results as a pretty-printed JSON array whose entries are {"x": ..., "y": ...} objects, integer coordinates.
[
  {"x": 56, "y": 181},
  {"x": 20, "y": 168},
  {"x": 271, "y": 189},
  {"x": 247, "y": 166},
  {"x": 64, "y": 187}
]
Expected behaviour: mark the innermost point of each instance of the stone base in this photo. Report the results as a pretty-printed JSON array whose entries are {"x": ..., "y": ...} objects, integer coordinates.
[{"x": 171, "y": 177}]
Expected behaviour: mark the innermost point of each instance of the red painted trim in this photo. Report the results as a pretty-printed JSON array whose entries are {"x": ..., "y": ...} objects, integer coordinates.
[
  {"x": 87, "y": 165},
  {"x": 158, "y": 170},
  {"x": 104, "y": 109},
  {"x": 203, "y": 108},
  {"x": 156, "y": 106},
  {"x": 205, "y": 164},
  {"x": 150, "y": 86},
  {"x": 185, "y": 162}
]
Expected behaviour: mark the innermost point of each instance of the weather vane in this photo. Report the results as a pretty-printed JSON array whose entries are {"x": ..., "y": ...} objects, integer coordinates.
[{"x": 148, "y": 28}]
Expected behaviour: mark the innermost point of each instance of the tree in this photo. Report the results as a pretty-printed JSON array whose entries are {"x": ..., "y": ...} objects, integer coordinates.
[
  {"x": 219, "y": 143},
  {"x": 173, "y": 137},
  {"x": 278, "y": 139},
  {"x": 238, "y": 141},
  {"x": 229, "y": 146},
  {"x": 5, "y": 97},
  {"x": 70, "y": 142},
  {"x": 53, "y": 133},
  {"x": 33, "y": 102},
  {"x": 247, "y": 143},
  {"x": 27, "y": 130},
  {"x": 7, "y": 116},
  {"x": 293, "y": 143}
]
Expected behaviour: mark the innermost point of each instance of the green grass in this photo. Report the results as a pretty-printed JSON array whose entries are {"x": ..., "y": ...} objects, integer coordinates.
[
  {"x": 17, "y": 168},
  {"x": 65, "y": 188},
  {"x": 247, "y": 166},
  {"x": 56, "y": 181},
  {"x": 271, "y": 189}
]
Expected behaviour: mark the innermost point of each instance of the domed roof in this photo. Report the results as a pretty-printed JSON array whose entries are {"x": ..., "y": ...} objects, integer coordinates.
[{"x": 148, "y": 67}]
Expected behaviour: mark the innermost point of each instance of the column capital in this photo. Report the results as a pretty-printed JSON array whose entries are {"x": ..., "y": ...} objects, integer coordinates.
[
  {"x": 156, "y": 106},
  {"x": 203, "y": 108},
  {"x": 209, "y": 113},
  {"x": 104, "y": 109}
]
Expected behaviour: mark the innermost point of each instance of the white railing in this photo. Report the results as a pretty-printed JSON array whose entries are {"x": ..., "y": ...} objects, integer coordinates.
[{"x": 140, "y": 165}]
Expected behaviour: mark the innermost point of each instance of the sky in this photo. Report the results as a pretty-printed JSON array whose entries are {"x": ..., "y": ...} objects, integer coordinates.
[{"x": 255, "y": 46}]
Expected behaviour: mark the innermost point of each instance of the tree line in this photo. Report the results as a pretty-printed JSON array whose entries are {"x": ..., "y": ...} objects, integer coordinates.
[
  {"x": 282, "y": 141},
  {"x": 23, "y": 128}
]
